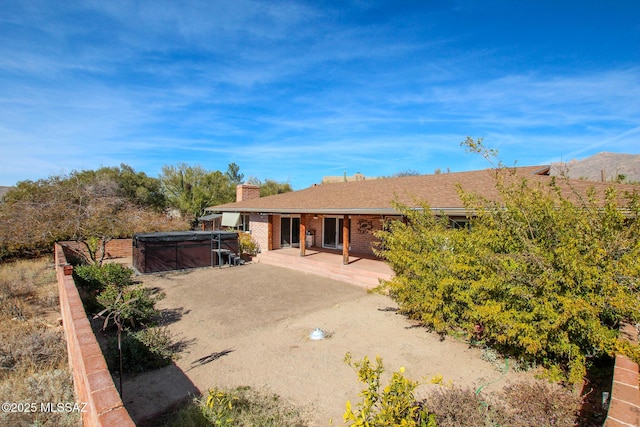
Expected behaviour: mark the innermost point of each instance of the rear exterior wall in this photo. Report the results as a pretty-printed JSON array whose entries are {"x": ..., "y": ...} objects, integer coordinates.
[
  {"x": 259, "y": 229},
  {"x": 362, "y": 231}
]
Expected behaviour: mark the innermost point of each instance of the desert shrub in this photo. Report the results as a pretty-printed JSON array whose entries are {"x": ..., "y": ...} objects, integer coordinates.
[
  {"x": 97, "y": 277},
  {"x": 518, "y": 405},
  {"x": 189, "y": 414},
  {"x": 41, "y": 386},
  {"x": 27, "y": 345},
  {"x": 23, "y": 278},
  {"x": 393, "y": 405},
  {"x": 462, "y": 407},
  {"x": 539, "y": 404},
  {"x": 244, "y": 407},
  {"x": 33, "y": 356},
  {"x": 135, "y": 304},
  {"x": 237, "y": 407},
  {"x": 142, "y": 351},
  {"x": 536, "y": 276},
  {"x": 247, "y": 244}
]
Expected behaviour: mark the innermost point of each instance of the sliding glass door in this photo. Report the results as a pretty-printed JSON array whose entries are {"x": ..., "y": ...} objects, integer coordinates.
[
  {"x": 289, "y": 232},
  {"x": 332, "y": 233}
]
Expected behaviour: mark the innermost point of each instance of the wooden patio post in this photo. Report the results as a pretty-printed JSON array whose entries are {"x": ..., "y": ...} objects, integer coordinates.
[
  {"x": 270, "y": 233},
  {"x": 303, "y": 234},
  {"x": 345, "y": 240}
]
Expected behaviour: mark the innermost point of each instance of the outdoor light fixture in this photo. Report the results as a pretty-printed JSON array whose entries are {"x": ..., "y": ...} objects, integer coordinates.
[{"x": 317, "y": 334}]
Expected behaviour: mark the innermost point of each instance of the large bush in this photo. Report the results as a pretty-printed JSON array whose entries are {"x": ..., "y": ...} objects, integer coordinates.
[
  {"x": 88, "y": 206},
  {"x": 143, "y": 350},
  {"x": 538, "y": 275},
  {"x": 97, "y": 277},
  {"x": 134, "y": 305}
]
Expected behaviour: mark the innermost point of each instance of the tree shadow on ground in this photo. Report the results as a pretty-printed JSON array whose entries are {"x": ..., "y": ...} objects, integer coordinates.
[
  {"x": 209, "y": 358},
  {"x": 171, "y": 315},
  {"x": 151, "y": 394}
]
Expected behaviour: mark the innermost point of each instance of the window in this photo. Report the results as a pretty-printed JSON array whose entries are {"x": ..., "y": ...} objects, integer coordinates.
[{"x": 244, "y": 222}]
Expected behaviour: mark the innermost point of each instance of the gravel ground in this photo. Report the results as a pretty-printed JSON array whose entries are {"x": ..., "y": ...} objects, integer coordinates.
[{"x": 251, "y": 325}]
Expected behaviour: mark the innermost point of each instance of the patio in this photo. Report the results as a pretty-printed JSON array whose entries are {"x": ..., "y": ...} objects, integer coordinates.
[{"x": 362, "y": 270}]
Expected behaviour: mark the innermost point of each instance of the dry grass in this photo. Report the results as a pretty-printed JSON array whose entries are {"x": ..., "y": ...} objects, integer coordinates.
[
  {"x": 33, "y": 359},
  {"x": 518, "y": 405}
]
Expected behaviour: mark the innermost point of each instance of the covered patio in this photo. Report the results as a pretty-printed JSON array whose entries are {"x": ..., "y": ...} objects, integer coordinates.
[{"x": 362, "y": 270}]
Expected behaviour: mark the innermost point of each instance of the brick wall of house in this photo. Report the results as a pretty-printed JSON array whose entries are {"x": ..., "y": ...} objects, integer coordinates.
[
  {"x": 314, "y": 225},
  {"x": 92, "y": 381},
  {"x": 362, "y": 229},
  {"x": 259, "y": 228}
]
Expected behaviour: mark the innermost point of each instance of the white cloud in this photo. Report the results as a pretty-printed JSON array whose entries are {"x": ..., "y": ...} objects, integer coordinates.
[{"x": 281, "y": 87}]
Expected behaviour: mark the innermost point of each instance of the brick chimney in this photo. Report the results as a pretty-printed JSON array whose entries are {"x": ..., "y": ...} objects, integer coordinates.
[{"x": 247, "y": 192}]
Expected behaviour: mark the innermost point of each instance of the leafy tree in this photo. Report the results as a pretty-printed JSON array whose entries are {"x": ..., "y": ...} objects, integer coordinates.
[
  {"x": 269, "y": 187},
  {"x": 190, "y": 189},
  {"x": 539, "y": 276},
  {"x": 123, "y": 181},
  {"x": 233, "y": 174},
  {"x": 91, "y": 207}
]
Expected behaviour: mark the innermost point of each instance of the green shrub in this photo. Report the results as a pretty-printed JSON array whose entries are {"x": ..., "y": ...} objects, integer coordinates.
[
  {"x": 244, "y": 407},
  {"x": 144, "y": 350},
  {"x": 96, "y": 278},
  {"x": 395, "y": 405},
  {"x": 536, "y": 276},
  {"x": 134, "y": 304},
  {"x": 189, "y": 414}
]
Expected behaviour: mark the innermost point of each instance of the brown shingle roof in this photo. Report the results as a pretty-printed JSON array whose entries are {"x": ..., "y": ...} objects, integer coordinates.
[{"x": 375, "y": 196}]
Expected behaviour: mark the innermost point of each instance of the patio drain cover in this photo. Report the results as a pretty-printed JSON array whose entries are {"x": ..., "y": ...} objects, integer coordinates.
[{"x": 317, "y": 334}]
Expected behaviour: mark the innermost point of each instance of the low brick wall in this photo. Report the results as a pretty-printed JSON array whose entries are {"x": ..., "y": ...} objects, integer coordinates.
[
  {"x": 91, "y": 379},
  {"x": 117, "y": 248},
  {"x": 624, "y": 403}
]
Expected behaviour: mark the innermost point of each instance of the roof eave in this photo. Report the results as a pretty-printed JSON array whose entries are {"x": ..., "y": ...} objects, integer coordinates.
[{"x": 338, "y": 211}]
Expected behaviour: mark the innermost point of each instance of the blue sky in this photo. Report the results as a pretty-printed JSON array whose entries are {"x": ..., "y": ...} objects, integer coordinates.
[{"x": 295, "y": 90}]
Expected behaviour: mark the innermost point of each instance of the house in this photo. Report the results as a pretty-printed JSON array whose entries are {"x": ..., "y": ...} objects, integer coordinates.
[{"x": 343, "y": 216}]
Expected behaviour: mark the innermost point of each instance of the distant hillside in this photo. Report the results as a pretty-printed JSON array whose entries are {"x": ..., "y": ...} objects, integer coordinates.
[{"x": 602, "y": 166}]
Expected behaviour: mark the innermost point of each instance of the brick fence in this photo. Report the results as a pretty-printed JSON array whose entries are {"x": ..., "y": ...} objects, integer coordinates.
[
  {"x": 624, "y": 404},
  {"x": 92, "y": 381},
  {"x": 117, "y": 248}
]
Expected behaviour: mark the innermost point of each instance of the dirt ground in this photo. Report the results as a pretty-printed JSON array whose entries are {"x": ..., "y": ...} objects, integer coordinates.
[{"x": 250, "y": 326}]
